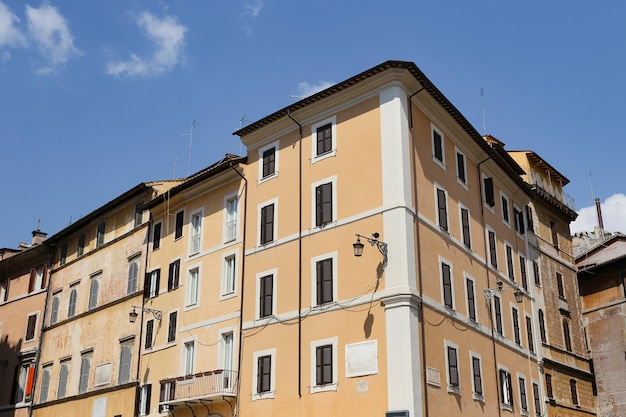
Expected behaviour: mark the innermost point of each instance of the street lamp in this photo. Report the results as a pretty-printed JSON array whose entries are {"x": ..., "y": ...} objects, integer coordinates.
[
  {"x": 358, "y": 246},
  {"x": 490, "y": 292},
  {"x": 132, "y": 316}
]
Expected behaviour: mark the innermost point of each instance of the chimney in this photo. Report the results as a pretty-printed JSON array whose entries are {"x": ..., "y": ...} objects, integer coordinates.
[
  {"x": 38, "y": 237},
  {"x": 600, "y": 229}
]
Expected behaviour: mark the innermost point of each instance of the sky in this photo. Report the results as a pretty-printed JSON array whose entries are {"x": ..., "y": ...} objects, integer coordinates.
[{"x": 98, "y": 96}]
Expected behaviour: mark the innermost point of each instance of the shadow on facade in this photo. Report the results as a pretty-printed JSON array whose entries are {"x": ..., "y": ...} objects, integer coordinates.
[{"x": 9, "y": 363}]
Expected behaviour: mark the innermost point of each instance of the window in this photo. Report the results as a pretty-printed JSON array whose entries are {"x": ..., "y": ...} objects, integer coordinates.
[
  {"x": 266, "y": 234},
  {"x": 94, "y": 288},
  {"x": 125, "y": 364},
  {"x": 536, "y": 273},
  {"x": 438, "y": 147},
  {"x": 555, "y": 235},
  {"x": 63, "y": 377},
  {"x": 85, "y": 367},
  {"x": 193, "y": 280},
  {"x": 24, "y": 382},
  {"x": 196, "y": 233},
  {"x": 149, "y": 334},
  {"x": 189, "y": 357},
  {"x": 264, "y": 369},
  {"x": 63, "y": 258},
  {"x": 54, "y": 312},
  {"x": 493, "y": 253},
  {"x": 229, "y": 275},
  {"x": 156, "y": 236},
  {"x": 471, "y": 298},
  {"x": 264, "y": 374},
  {"x": 452, "y": 365},
  {"x": 324, "y": 143},
  {"x": 442, "y": 209},
  {"x": 324, "y": 366},
  {"x": 537, "y": 399},
  {"x": 168, "y": 390},
  {"x": 266, "y": 296},
  {"x": 542, "y": 326},
  {"x": 529, "y": 219},
  {"x": 505, "y": 209},
  {"x": 45, "y": 384},
  {"x": 529, "y": 334},
  {"x": 4, "y": 290},
  {"x": 566, "y": 336},
  {"x": 173, "y": 276},
  {"x": 80, "y": 250},
  {"x": 559, "y": 285},
  {"x": 178, "y": 227},
  {"x": 509, "y": 262},
  {"x": 324, "y": 281},
  {"x": 227, "y": 359},
  {"x": 506, "y": 388},
  {"x": 231, "y": 218},
  {"x": 323, "y": 204},
  {"x": 465, "y": 227},
  {"x": 100, "y": 234},
  {"x": 549, "y": 386},
  {"x": 489, "y": 193},
  {"x": 519, "y": 220},
  {"x": 151, "y": 284},
  {"x": 497, "y": 306},
  {"x": 138, "y": 213},
  {"x": 269, "y": 162},
  {"x": 461, "y": 172},
  {"x": 446, "y": 283},
  {"x": 145, "y": 392},
  {"x": 523, "y": 401},
  {"x": 30, "y": 327},
  {"x": 573, "y": 391},
  {"x": 522, "y": 268},
  {"x": 477, "y": 379},
  {"x": 516, "y": 329},
  {"x": 133, "y": 276},
  {"x": 171, "y": 327}
]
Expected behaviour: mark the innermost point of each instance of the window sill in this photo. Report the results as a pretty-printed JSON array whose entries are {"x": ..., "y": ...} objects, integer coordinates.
[
  {"x": 228, "y": 295},
  {"x": 269, "y": 177},
  {"x": 478, "y": 397},
  {"x": 324, "y": 388},
  {"x": 263, "y": 396},
  {"x": 454, "y": 390},
  {"x": 507, "y": 407},
  {"x": 321, "y": 157}
]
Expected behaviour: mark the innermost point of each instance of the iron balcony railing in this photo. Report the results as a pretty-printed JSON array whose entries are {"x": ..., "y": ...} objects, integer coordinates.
[{"x": 204, "y": 385}]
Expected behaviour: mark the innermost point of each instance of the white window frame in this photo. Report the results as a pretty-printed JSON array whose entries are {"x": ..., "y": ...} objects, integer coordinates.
[
  {"x": 28, "y": 316},
  {"x": 260, "y": 206},
  {"x": 274, "y": 273},
  {"x": 473, "y": 281},
  {"x": 276, "y": 145},
  {"x": 495, "y": 239},
  {"x": 510, "y": 273},
  {"x": 452, "y": 389},
  {"x": 55, "y": 297},
  {"x": 441, "y": 163},
  {"x": 229, "y": 374},
  {"x": 524, "y": 412},
  {"x": 531, "y": 346},
  {"x": 436, "y": 198},
  {"x": 476, "y": 396},
  {"x": 193, "y": 250},
  {"x": 255, "y": 365},
  {"x": 226, "y": 292},
  {"x": 519, "y": 325},
  {"x": 495, "y": 323},
  {"x": 442, "y": 261},
  {"x": 160, "y": 235},
  {"x": 153, "y": 291},
  {"x": 39, "y": 278},
  {"x": 331, "y": 255},
  {"x": 333, "y": 181},
  {"x": 314, "y": 156},
  {"x": 515, "y": 210},
  {"x": 144, "y": 404},
  {"x": 131, "y": 262},
  {"x": 184, "y": 357},
  {"x": 469, "y": 225},
  {"x": 462, "y": 183},
  {"x": 483, "y": 177},
  {"x": 334, "y": 342},
  {"x": 504, "y": 405},
  {"x": 540, "y": 396},
  {"x": 190, "y": 302},
  {"x": 523, "y": 261},
  {"x": 504, "y": 197},
  {"x": 227, "y": 235}
]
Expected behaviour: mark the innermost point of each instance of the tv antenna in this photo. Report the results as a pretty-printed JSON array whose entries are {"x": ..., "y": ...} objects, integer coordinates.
[
  {"x": 482, "y": 96},
  {"x": 190, "y": 134}
]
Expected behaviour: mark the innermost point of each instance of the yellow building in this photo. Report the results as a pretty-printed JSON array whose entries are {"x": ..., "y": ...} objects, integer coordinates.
[
  {"x": 192, "y": 295},
  {"x": 443, "y": 320},
  {"x": 89, "y": 350}
]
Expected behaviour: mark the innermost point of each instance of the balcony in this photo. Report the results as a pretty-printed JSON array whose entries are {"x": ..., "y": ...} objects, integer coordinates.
[
  {"x": 215, "y": 386},
  {"x": 556, "y": 191}
]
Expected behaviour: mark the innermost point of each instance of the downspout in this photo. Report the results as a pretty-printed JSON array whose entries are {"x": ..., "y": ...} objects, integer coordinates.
[
  {"x": 243, "y": 270},
  {"x": 299, "y": 256},
  {"x": 489, "y": 309},
  {"x": 419, "y": 252}
]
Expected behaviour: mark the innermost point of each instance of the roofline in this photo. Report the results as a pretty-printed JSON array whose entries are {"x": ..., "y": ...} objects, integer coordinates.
[
  {"x": 534, "y": 154},
  {"x": 503, "y": 163},
  {"x": 598, "y": 247}
]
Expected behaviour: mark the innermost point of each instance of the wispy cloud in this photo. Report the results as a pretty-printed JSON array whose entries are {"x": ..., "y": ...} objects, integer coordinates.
[
  {"x": 50, "y": 31},
  {"x": 613, "y": 216},
  {"x": 251, "y": 9},
  {"x": 306, "y": 89},
  {"x": 10, "y": 35},
  {"x": 168, "y": 37}
]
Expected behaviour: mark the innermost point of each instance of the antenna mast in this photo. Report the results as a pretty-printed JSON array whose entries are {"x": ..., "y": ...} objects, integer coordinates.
[
  {"x": 482, "y": 95},
  {"x": 190, "y": 134}
]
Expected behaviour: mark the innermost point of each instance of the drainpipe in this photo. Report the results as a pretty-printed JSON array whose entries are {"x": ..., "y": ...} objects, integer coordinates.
[
  {"x": 299, "y": 256},
  {"x": 243, "y": 270}
]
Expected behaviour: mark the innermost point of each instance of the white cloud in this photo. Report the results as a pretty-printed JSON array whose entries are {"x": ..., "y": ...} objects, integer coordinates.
[
  {"x": 51, "y": 33},
  {"x": 253, "y": 8},
  {"x": 10, "y": 35},
  {"x": 306, "y": 89},
  {"x": 613, "y": 216},
  {"x": 168, "y": 37}
]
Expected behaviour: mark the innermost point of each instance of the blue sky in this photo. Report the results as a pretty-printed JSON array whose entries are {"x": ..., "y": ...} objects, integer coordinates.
[{"x": 94, "y": 96}]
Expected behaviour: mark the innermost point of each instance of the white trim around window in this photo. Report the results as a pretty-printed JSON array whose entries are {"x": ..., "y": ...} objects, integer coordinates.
[
  {"x": 470, "y": 279},
  {"x": 478, "y": 396},
  {"x": 332, "y": 180},
  {"x": 274, "y": 145},
  {"x": 314, "y": 261},
  {"x": 231, "y": 220},
  {"x": 188, "y": 356},
  {"x": 505, "y": 208},
  {"x": 452, "y": 388},
  {"x": 461, "y": 176},
  {"x": 443, "y": 261},
  {"x": 260, "y": 206},
  {"x": 257, "y": 312},
  {"x": 443, "y": 223},
  {"x": 193, "y": 286},
  {"x": 230, "y": 273},
  {"x": 442, "y": 162},
  {"x": 255, "y": 369},
  {"x": 469, "y": 226},
  {"x": 195, "y": 231},
  {"x": 334, "y": 342},
  {"x": 314, "y": 156}
]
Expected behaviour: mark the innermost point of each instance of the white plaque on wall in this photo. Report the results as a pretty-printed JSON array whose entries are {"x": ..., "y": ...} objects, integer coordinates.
[{"x": 362, "y": 358}]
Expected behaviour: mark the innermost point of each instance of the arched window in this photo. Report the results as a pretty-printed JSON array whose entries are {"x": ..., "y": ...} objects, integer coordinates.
[
  {"x": 542, "y": 327},
  {"x": 566, "y": 336},
  {"x": 572, "y": 388},
  {"x": 125, "y": 362},
  {"x": 71, "y": 309},
  {"x": 93, "y": 293},
  {"x": 549, "y": 386},
  {"x": 45, "y": 385},
  {"x": 54, "y": 314}
]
